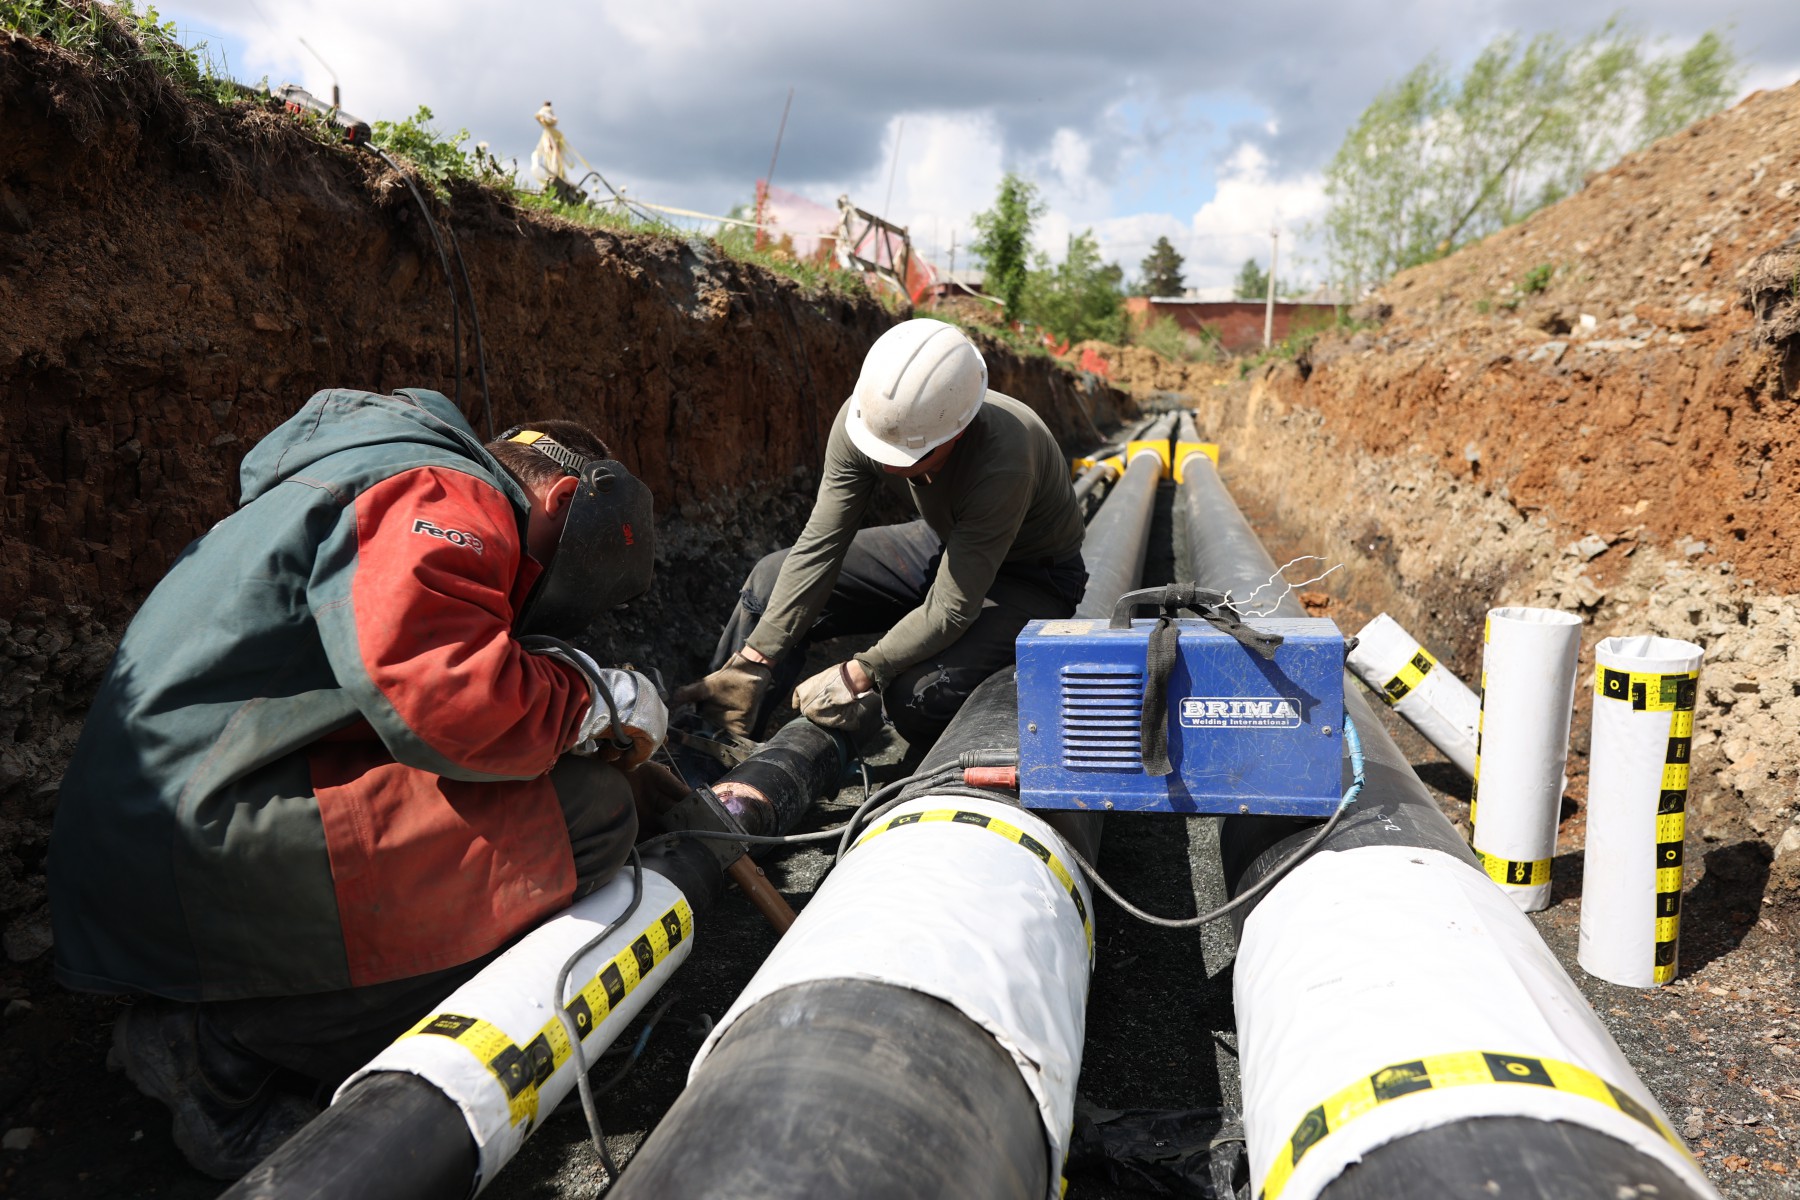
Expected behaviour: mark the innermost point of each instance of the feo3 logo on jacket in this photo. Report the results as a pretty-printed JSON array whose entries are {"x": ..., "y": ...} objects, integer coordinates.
[{"x": 455, "y": 537}]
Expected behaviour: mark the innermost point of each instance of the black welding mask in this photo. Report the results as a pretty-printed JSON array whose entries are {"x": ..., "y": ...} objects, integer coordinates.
[{"x": 606, "y": 555}]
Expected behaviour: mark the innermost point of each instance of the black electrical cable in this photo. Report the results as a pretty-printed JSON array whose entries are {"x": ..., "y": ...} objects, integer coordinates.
[
  {"x": 444, "y": 262},
  {"x": 1267, "y": 881},
  {"x": 487, "y": 401},
  {"x": 582, "y": 1083}
]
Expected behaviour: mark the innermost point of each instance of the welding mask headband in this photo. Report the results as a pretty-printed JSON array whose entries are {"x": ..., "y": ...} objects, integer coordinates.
[{"x": 606, "y": 555}]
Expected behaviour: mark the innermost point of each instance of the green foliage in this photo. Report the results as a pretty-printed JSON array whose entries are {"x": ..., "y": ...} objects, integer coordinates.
[
  {"x": 1161, "y": 270},
  {"x": 1169, "y": 339},
  {"x": 1537, "y": 279},
  {"x": 119, "y": 35},
  {"x": 440, "y": 159},
  {"x": 1078, "y": 298},
  {"x": 1003, "y": 240},
  {"x": 1437, "y": 160}
]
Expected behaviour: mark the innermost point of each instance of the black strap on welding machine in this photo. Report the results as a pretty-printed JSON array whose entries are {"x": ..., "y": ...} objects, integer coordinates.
[{"x": 1165, "y": 646}]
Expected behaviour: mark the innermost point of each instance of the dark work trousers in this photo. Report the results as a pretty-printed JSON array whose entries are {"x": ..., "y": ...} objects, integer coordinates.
[
  {"x": 887, "y": 571},
  {"x": 325, "y": 1036}
]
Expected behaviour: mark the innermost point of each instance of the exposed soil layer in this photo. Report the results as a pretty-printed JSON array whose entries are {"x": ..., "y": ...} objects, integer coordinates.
[{"x": 176, "y": 279}]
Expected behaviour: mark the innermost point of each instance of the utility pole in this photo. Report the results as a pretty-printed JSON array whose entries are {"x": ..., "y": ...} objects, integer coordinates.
[{"x": 1269, "y": 307}]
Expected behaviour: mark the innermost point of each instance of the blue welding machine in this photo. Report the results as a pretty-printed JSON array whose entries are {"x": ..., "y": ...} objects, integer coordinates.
[{"x": 1254, "y": 713}]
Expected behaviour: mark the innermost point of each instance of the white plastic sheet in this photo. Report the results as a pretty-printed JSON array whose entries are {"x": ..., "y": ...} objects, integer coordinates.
[
  {"x": 1418, "y": 687},
  {"x": 1527, "y": 696},
  {"x": 499, "y": 1029},
  {"x": 1365, "y": 964},
  {"x": 966, "y": 913},
  {"x": 1644, "y": 694}
]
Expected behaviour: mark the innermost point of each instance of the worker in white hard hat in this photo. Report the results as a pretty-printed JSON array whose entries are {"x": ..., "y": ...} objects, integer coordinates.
[{"x": 998, "y": 543}]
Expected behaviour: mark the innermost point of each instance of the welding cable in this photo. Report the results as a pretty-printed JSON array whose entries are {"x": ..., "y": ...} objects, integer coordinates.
[
  {"x": 1352, "y": 740},
  {"x": 582, "y": 1083},
  {"x": 487, "y": 401},
  {"x": 456, "y": 306}
]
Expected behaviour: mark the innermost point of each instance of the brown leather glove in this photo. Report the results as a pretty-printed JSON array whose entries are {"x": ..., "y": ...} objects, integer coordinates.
[
  {"x": 654, "y": 791},
  {"x": 730, "y": 696},
  {"x": 830, "y": 701}
]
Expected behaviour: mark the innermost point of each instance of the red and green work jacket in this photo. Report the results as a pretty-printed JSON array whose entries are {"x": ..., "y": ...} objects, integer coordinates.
[{"x": 318, "y": 760}]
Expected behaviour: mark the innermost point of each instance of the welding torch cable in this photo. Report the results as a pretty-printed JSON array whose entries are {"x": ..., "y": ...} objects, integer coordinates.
[
  {"x": 444, "y": 262},
  {"x": 487, "y": 400},
  {"x": 582, "y": 1083},
  {"x": 1353, "y": 741}
]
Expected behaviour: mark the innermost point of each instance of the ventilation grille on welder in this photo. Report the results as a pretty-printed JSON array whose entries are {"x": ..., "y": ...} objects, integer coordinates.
[{"x": 1102, "y": 709}]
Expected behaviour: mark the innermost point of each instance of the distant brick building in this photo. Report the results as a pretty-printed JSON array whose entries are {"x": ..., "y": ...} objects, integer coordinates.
[{"x": 1238, "y": 324}]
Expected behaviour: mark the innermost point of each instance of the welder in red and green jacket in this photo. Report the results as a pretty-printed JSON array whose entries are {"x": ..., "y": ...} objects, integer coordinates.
[{"x": 329, "y": 774}]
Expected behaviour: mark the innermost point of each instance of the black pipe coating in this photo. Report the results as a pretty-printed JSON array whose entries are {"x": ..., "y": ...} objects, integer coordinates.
[
  {"x": 395, "y": 1136},
  {"x": 800, "y": 764},
  {"x": 1469, "y": 1159},
  {"x": 848, "y": 1088}
]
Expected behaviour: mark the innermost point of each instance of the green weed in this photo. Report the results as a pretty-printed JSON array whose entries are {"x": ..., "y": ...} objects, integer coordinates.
[
  {"x": 1537, "y": 279},
  {"x": 1171, "y": 341}
]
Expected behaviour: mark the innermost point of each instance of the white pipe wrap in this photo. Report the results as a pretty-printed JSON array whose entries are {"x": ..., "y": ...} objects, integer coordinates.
[
  {"x": 1644, "y": 694},
  {"x": 497, "y": 1048},
  {"x": 974, "y": 902},
  {"x": 1418, "y": 687},
  {"x": 1527, "y": 696},
  {"x": 1387, "y": 990}
]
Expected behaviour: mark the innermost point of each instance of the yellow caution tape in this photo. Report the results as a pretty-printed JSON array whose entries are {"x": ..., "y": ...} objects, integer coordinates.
[
  {"x": 1434, "y": 1073},
  {"x": 1011, "y": 833},
  {"x": 1408, "y": 677},
  {"x": 522, "y": 1070},
  {"x": 1676, "y": 695},
  {"x": 1512, "y": 873}
]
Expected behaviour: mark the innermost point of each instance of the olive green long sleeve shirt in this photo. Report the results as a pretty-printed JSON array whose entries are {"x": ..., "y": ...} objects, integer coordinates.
[{"x": 1004, "y": 496}]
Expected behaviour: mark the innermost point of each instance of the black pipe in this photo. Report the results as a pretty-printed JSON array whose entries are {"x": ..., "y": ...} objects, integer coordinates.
[
  {"x": 395, "y": 1136},
  {"x": 848, "y": 1088},
  {"x": 771, "y": 790},
  {"x": 1468, "y": 1159}
]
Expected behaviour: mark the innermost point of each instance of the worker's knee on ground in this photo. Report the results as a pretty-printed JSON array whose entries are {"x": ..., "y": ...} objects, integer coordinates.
[
  {"x": 922, "y": 700},
  {"x": 601, "y": 818},
  {"x": 759, "y": 585}
]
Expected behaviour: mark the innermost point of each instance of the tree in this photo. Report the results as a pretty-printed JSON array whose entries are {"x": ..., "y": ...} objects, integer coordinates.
[
  {"x": 1252, "y": 282},
  {"x": 1439, "y": 160},
  {"x": 1080, "y": 297},
  {"x": 1003, "y": 240},
  {"x": 1161, "y": 270}
]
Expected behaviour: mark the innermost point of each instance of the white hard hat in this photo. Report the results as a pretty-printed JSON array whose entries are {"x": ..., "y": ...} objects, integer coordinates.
[{"x": 921, "y": 384}]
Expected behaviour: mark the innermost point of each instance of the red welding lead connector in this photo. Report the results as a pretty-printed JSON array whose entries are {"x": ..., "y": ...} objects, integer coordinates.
[{"x": 1004, "y": 779}]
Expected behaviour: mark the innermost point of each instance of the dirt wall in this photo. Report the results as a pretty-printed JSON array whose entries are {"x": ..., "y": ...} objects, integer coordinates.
[{"x": 176, "y": 279}]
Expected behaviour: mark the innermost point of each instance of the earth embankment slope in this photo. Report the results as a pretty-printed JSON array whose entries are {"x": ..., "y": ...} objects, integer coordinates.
[
  {"x": 177, "y": 278},
  {"x": 1595, "y": 410}
]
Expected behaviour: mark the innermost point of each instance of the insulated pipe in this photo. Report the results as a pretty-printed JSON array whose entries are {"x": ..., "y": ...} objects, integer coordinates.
[
  {"x": 918, "y": 1032},
  {"x": 437, "y": 1116},
  {"x": 1396, "y": 1009},
  {"x": 770, "y": 791}
]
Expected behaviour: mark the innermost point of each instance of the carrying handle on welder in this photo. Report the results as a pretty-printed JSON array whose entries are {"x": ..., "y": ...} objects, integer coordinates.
[
  {"x": 1160, "y": 652},
  {"x": 1209, "y": 605}
]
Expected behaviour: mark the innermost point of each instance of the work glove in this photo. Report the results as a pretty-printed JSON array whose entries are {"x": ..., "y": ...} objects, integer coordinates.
[
  {"x": 626, "y": 720},
  {"x": 830, "y": 701},
  {"x": 654, "y": 790},
  {"x": 730, "y": 696}
]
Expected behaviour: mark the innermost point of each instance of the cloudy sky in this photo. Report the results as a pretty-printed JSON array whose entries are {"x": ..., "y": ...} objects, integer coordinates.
[{"x": 1204, "y": 123}]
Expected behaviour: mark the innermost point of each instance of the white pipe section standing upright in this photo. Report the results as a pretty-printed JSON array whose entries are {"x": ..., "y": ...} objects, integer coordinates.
[
  {"x": 995, "y": 921},
  {"x": 1527, "y": 696},
  {"x": 1644, "y": 694},
  {"x": 1418, "y": 687},
  {"x": 498, "y": 1048}
]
